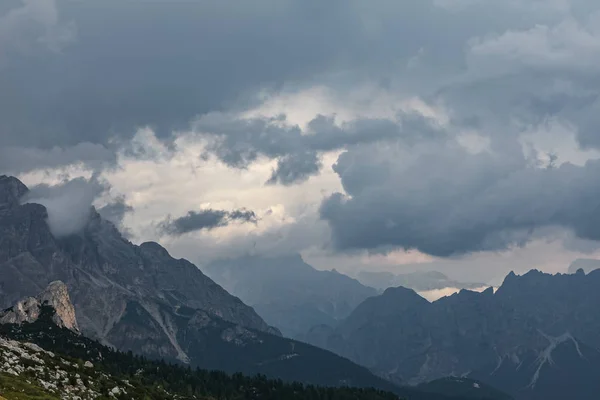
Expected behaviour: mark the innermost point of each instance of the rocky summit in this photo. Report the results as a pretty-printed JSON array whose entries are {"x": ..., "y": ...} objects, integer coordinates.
[{"x": 28, "y": 309}]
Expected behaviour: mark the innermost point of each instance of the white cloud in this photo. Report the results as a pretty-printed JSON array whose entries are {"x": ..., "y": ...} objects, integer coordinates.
[{"x": 435, "y": 294}]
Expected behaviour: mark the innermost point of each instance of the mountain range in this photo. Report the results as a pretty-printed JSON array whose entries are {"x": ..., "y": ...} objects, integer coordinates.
[
  {"x": 41, "y": 358},
  {"x": 140, "y": 299},
  {"x": 420, "y": 281},
  {"x": 535, "y": 337},
  {"x": 586, "y": 264},
  {"x": 520, "y": 338},
  {"x": 43, "y": 355},
  {"x": 289, "y": 293}
]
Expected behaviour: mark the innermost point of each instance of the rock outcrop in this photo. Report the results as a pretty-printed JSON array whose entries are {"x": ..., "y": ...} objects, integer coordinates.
[{"x": 56, "y": 295}]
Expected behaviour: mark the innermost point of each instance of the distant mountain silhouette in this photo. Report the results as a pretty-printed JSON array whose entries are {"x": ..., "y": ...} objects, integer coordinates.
[
  {"x": 288, "y": 293},
  {"x": 523, "y": 339},
  {"x": 586, "y": 264},
  {"x": 419, "y": 280}
]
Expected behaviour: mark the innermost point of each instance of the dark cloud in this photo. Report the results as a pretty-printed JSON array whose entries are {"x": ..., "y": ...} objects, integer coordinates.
[
  {"x": 70, "y": 80},
  {"x": 115, "y": 210},
  {"x": 15, "y": 160},
  {"x": 161, "y": 63},
  {"x": 67, "y": 80},
  {"x": 238, "y": 142},
  {"x": 205, "y": 220},
  {"x": 73, "y": 91},
  {"x": 446, "y": 201},
  {"x": 295, "y": 168}
]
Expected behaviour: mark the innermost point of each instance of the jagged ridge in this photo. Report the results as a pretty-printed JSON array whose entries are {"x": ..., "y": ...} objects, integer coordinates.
[{"x": 408, "y": 339}]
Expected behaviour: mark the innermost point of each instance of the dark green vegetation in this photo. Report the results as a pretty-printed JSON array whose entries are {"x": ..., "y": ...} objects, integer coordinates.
[
  {"x": 152, "y": 379},
  {"x": 18, "y": 388},
  {"x": 463, "y": 388},
  {"x": 213, "y": 343},
  {"x": 149, "y": 379}
]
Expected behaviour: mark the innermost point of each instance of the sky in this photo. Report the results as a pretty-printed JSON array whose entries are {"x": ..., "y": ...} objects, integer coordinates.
[{"x": 455, "y": 135}]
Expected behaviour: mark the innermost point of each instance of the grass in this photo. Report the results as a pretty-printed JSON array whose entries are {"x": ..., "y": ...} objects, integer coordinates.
[{"x": 17, "y": 388}]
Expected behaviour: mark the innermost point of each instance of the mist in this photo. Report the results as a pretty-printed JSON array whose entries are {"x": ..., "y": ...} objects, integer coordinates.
[{"x": 68, "y": 204}]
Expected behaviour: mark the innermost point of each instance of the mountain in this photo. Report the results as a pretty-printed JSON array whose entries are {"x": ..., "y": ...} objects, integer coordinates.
[
  {"x": 55, "y": 295},
  {"x": 104, "y": 273},
  {"x": 407, "y": 339},
  {"x": 420, "y": 281},
  {"x": 565, "y": 368},
  {"x": 40, "y": 358},
  {"x": 586, "y": 264},
  {"x": 288, "y": 293},
  {"x": 140, "y": 299},
  {"x": 464, "y": 388}
]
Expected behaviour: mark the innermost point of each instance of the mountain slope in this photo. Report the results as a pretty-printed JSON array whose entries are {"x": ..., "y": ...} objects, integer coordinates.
[
  {"x": 407, "y": 339},
  {"x": 102, "y": 270},
  {"x": 288, "y": 293},
  {"x": 463, "y": 388},
  {"x": 80, "y": 368},
  {"x": 41, "y": 361},
  {"x": 141, "y": 299},
  {"x": 566, "y": 368}
]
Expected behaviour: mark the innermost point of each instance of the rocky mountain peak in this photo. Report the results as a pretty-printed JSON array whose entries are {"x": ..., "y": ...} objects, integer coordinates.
[
  {"x": 586, "y": 264},
  {"x": 155, "y": 249},
  {"x": 28, "y": 309},
  {"x": 401, "y": 293},
  {"x": 11, "y": 191}
]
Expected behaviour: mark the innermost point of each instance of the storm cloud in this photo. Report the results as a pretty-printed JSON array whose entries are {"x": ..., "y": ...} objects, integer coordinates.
[
  {"x": 445, "y": 203},
  {"x": 115, "y": 211},
  {"x": 239, "y": 142},
  {"x": 17, "y": 159},
  {"x": 205, "y": 220},
  {"x": 450, "y": 176},
  {"x": 71, "y": 80}
]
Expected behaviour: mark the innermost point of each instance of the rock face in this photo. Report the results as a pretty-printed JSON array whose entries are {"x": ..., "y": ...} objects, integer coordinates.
[
  {"x": 107, "y": 277},
  {"x": 566, "y": 368},
  {"x": 206, "y": 341},
  {"x": 288, "y": 293},
  {"x": 407, "y": 339},
  {"x": 28, "y": 309},
  {"x": 52, "y": 363}
]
